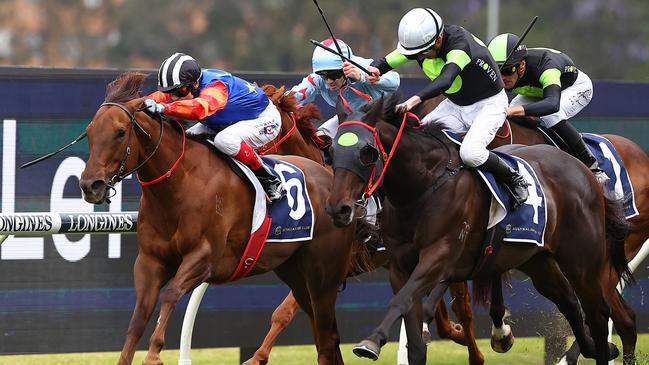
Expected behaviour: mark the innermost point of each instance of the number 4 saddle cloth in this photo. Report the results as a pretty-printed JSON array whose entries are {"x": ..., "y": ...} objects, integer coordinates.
[{"x": 527, "y": 222}]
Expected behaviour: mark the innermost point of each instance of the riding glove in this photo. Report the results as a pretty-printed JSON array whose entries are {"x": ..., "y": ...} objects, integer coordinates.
[{"x": 154, "y": 107}]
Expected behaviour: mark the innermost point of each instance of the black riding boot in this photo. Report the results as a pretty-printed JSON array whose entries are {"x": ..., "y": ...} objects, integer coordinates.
[
  {"x": 579, "y": 149},
  {"x": 272, "y": 184},
  {"x": 515, "y": 182}
]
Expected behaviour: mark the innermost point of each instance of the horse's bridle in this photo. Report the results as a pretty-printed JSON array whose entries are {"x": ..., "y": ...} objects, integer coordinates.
[
  {"x": 120, "y": 175},
  {"x": 371, "y": 186}
]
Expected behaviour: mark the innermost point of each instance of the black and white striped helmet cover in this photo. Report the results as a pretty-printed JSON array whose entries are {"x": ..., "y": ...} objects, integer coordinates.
[{"x": 179, "y": 69}]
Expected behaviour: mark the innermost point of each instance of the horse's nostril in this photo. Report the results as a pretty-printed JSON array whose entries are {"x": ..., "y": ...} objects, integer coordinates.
[
  {"x": 345, "y": 211},
  {"x": 97, "y": 185}
]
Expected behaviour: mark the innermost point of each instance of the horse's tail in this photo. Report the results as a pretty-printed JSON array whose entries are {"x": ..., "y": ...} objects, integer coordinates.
[
  {"x": 367, "y": 234},
  {"x": 483, "y": 285},
  {"x": 482, "y": 290},
  {"x": 617, "y": 230},
  {"x": 304, "y": 118}
]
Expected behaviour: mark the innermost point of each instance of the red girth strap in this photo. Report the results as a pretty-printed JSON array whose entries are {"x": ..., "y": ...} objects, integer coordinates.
[{"x": 253, "y": 250}]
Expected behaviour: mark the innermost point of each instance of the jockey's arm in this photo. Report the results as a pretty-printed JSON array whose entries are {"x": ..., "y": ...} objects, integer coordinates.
[
  {"x": 550, "y": 81},
  {"x": 388, "y": 83},
  {"x": 160, "y": 97},
  {"x": 306, "y": 91},
  {"x": 388, "y": 63},
  {"x": 441, "y": 83},
  {"x": 211, "y": 99}
]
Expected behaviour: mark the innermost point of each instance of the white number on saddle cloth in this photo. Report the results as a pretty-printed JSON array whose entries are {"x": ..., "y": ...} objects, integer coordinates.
[
  {"x": 534, "y": 199},
  {"x": 617, "y": 169},
  {"x": 295, "y": 202}
]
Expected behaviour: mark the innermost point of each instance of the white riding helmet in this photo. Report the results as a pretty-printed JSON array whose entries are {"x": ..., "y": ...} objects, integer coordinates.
[
  {"x": 418, "y": 30},
  {"x": 323, "y": 60}
]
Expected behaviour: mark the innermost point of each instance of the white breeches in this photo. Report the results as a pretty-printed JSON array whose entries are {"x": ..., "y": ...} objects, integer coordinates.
[
  {"x": 480, "y": 121},
  {"x": 573, "y": 100},
  {"x": 255, "y": 132}
]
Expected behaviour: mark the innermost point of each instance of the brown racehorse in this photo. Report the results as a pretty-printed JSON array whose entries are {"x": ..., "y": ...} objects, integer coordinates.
[
  {"x": 297, "y": 130},
  {"x": 193, "y": 225},
  {"x": 636, "y": 162},
  {"x": 436, "y": 214},
  {"x": 461, "y": 333}
]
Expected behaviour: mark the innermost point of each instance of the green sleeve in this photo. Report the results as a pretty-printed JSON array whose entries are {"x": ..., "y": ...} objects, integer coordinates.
[
  {"x": 458, "y": 57},
  {"x": 395, "y": 59},
  {"x": 551, "y": 76}
]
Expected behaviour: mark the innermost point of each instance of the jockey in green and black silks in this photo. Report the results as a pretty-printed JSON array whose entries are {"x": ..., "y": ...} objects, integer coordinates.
[
  {"x": 548, "y": 85},
  {"x": 459, "y": 66}
]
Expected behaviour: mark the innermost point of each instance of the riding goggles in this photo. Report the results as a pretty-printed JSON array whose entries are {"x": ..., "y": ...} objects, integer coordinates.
[
  {"x": 509, "y": 69},
  {"x": 331, "y": 74}
]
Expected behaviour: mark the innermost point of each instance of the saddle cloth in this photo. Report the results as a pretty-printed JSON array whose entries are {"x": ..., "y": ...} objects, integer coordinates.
[
  {"x": 292, "y": 217},
  {"x": 610, "y": 161},
  {"x": 526, "y": 223}
]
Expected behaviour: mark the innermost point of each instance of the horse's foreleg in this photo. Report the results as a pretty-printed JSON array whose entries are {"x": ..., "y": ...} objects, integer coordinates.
[
  {"x": 462, "y": 308},
  {"x": 282, "y": 316},
  {"x": 193, "y": 270},
  {"x": 502, "y": 338},
  {"x": 426, "y": 276},
  {"x": 148, "y": 275},
  {"x": 412, "y": 321},
  {"x": 295, "y": 280}
]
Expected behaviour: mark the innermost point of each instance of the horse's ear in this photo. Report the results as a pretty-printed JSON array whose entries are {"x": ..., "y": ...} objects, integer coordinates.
[
  {"x": 340, "y": 110},
  {"x": 375, "y": 113}
]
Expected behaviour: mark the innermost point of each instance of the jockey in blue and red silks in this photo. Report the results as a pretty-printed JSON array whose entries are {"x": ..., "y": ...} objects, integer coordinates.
[{"x": 237, "y": 111}]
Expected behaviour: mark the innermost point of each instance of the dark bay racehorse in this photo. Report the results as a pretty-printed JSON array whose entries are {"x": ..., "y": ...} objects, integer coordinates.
[
  {"x": 194, "y": 224},
  {"x": 461, "y": 332},
  {"x": 636, "y": 162},
  {"x": 435, "y": 218}
]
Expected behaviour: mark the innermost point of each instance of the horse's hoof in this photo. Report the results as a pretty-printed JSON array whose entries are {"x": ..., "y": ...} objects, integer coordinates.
[
  {"x": 152, "y": 362},
  {"x": 368, "y": 349},
  {"x": 613, "y": 351},
  {"x": 502, "y": 345}
]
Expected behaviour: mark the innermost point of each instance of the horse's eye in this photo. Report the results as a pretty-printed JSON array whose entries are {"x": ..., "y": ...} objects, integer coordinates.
[
  {"x": 368, "y": 155},
  {"x": 120, "y": 133}
]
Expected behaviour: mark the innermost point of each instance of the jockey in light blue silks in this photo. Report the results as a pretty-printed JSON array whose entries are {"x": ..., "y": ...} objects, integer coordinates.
[{"x": 333, "y": 78}]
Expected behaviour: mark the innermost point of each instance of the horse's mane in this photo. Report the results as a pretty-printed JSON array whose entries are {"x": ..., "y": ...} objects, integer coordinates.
[
  {"x": 125, "y": 88},
  {"x": 392, "y": 117},
  {"x": 286, "y": 102},
  {"x": 304, "y": 118}
]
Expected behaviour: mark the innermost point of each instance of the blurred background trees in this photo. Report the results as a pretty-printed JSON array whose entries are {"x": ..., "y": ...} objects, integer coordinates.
[{"x": 609, "y": 39}]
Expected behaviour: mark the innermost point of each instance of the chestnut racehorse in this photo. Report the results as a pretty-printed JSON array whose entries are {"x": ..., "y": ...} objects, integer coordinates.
[
  {"x": 194, "y": 223},
  {"x": 297, "y": 130},
  {"x": 436, "y": 214}
]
